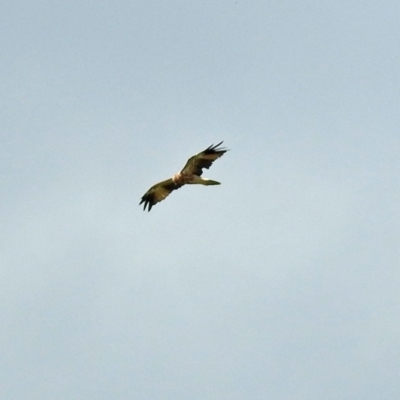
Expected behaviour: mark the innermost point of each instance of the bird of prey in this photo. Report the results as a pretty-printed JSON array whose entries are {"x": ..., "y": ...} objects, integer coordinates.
[{"x": 190, "y": 174}]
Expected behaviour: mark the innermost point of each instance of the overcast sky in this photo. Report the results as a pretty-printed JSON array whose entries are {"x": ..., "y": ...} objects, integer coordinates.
[{"x": 282, "y": 283}]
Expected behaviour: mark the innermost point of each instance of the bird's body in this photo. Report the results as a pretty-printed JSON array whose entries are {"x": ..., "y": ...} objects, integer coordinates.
[
  {"x": 187, "y": 179},
  {"x": 190, "y": 174}
]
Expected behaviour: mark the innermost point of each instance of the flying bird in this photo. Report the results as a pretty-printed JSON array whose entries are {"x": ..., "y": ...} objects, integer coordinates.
[{"x": 190, "y": 174}]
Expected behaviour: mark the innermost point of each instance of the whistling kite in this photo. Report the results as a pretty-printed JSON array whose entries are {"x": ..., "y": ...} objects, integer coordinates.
[{"x": 190, "y": 174}]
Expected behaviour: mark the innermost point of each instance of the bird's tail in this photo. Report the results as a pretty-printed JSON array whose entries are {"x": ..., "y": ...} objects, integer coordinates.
[
  {"x": 198, "y": 180},
  {"x": 209, "y": 182}
]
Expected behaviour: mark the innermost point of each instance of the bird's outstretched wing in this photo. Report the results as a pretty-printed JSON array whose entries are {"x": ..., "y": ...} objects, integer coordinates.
[
  {"x": 158, "y": 193},
  {"x": 195, "y": 164}
]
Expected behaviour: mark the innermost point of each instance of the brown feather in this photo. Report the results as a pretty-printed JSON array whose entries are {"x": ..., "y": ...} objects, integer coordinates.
[
  {"x": 195, "y": 164},
  {"x": 158, "y": 193}
]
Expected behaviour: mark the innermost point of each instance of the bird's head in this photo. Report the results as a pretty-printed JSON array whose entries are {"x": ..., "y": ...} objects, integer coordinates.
[{"x": 176, "y": 178}]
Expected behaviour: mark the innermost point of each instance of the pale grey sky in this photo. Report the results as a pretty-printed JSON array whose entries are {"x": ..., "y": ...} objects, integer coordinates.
[{"x": 282, "y": 283}]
